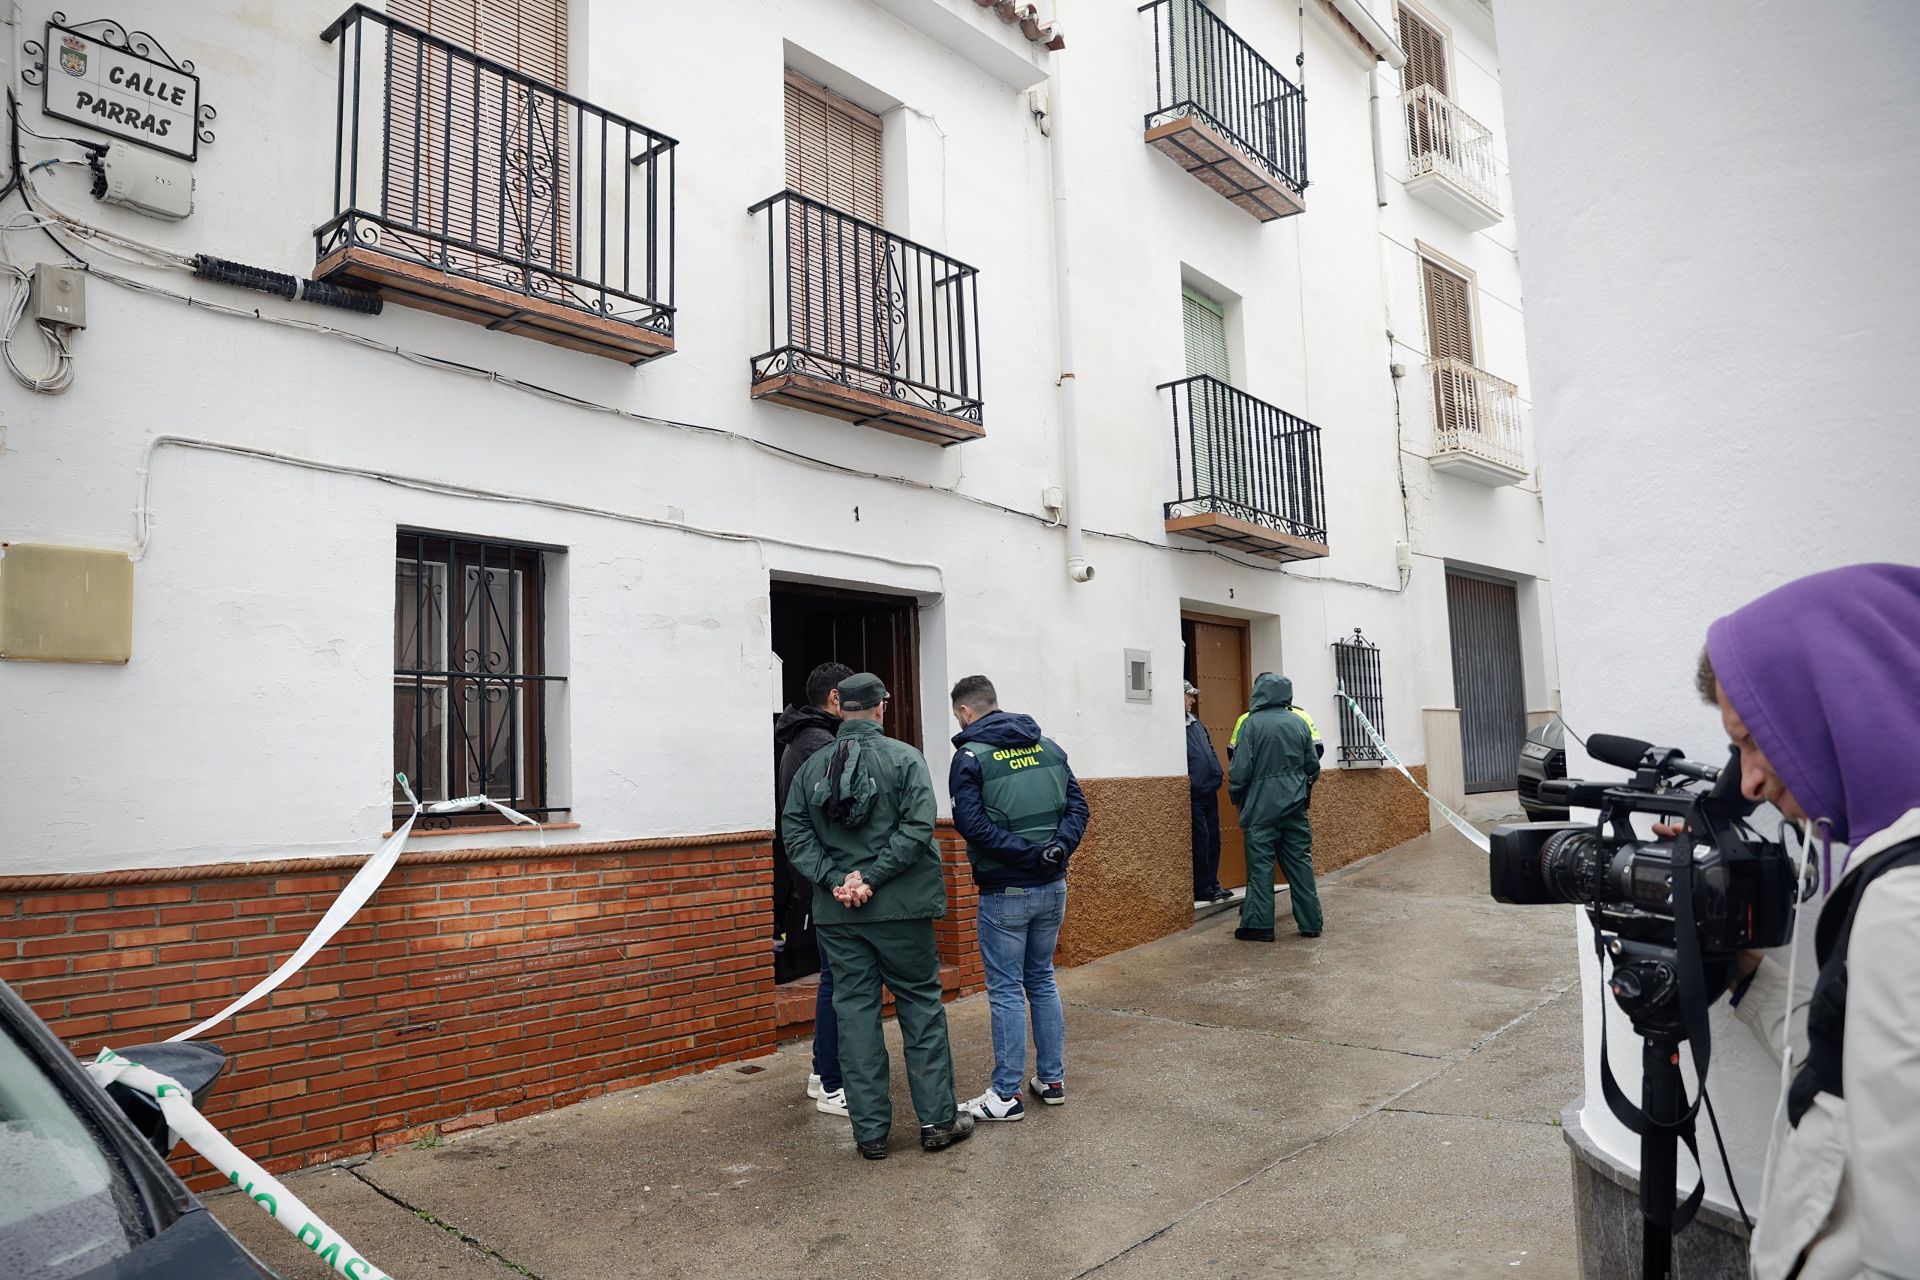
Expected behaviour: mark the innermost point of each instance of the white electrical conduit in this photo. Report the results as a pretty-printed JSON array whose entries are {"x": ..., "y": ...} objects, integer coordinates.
[{"x": 143, "y": 527}]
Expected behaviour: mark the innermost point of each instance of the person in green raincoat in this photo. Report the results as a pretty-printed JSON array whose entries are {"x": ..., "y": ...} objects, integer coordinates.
[
  {"x": 858, "y": 826},
  {"x": 1270, "y": 780}
]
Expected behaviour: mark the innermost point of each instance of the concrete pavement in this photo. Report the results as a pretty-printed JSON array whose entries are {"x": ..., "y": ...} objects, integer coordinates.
[{"x": 1379, "y": 1101}]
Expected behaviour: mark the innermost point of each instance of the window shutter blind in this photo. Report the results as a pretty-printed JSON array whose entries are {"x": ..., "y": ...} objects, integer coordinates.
[
  {"x": 1426, "y": 54},
  {"x": 527, "y": 35},
  {"x": 840, "y": 305},
  {"x": 1449, "y": 314},
  {"x": 833, "y": 150},
  {"x": 1450, "y": 334},
  {"x": 472, "y": 156},
  {"x": 1206, "y": 325},
  {"x": 1206, "y": 330}
]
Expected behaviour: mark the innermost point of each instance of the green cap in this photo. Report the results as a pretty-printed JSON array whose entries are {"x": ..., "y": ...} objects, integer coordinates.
[{"x": 862, "y": 692}]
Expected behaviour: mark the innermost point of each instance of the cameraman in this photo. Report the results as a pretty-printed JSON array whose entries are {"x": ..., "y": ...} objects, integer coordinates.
[{"x": 1818, "y": 684}]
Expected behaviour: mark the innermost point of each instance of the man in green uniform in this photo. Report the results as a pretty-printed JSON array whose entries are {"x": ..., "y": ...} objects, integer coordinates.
[
  {"x": 1319, "y": 747},
  {"x": 858, "y": 826},
  {"x": 1273, "y": 769}
]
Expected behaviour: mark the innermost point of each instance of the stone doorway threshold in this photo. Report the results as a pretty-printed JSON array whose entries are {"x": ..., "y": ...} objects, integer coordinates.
[{"x": 1208, "y": 910}]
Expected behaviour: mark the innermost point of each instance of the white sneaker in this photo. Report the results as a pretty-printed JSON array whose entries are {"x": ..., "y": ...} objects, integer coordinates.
[
  {"x": 991, "y": 1106},
  {"x": 833, "y": 1104},
  {"x": 814, "y": 1087}
]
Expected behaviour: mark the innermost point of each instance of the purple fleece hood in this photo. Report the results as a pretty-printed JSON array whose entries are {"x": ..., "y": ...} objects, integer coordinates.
[{"x": 1826, "y": 673}]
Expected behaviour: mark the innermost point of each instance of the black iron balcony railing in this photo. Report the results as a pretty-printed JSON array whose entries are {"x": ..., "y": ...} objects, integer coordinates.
[
  {"x": 1201, "y": 67},
  {"x": 463, "y": 165},
  {"x": 1242, "y": 458},
  {"x": 853, "y": 304}
]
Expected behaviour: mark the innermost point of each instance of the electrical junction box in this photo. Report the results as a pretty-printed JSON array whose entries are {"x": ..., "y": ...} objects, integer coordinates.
[
  {"x": 58, "y": 296},
  {"x": 156, "y": 185},
  {"x": 65, "y": 604},
  {"x": 1139, "y": 675}
]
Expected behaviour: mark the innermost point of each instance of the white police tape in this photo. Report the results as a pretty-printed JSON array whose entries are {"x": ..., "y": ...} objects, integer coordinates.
[
  {"x": 265, "y": 1190},
  {"x": 365, "y": 883},
  {"x": 1459, "y": 823},
  {"x": 186, "y": 1122}
]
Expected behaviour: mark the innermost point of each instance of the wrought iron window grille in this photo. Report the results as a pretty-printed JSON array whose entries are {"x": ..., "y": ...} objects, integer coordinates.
[
  {"x": 470, "y": 686},
  {"x": 455, "y": 161},
  {"x": 1356, "y": 665},
  {"x": 854, "y": 304},
  {"x": 1238, "y": 456},
  {"x": 1202, "y": 67}
]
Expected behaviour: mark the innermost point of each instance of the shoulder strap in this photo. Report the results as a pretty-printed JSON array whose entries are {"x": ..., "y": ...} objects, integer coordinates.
[{"x": 1827, "y": 1012}]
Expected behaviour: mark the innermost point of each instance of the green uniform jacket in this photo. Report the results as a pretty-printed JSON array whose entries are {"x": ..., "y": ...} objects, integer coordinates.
[
  {"x": 1274, "y": 762},
  {"x": 890, "y": 842}
]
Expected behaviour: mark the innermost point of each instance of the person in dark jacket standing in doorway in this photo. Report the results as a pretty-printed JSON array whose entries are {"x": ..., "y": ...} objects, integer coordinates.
[
  {"x": 1270, "y": 780},
  {"x": 799, "y": 734},
  {"x": 1022, "y": 813},
  {"x": 858, "y": 825},
  {"x": 1204, "y": 776}
]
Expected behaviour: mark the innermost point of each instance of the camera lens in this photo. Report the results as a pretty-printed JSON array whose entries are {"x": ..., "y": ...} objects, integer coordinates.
[{"x": 1570, "y": 866}]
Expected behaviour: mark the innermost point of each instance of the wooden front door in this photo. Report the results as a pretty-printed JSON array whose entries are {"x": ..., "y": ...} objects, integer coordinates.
[{"x": 1217, "y": 662}]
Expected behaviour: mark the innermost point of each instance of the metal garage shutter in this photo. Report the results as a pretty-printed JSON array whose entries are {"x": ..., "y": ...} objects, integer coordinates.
[{"x": 1488, "y": 683}]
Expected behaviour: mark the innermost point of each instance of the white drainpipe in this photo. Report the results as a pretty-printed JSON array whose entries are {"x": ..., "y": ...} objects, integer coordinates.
[
  {"x": 1379, "y": 147},
  {"x": 1077, "y": 567}
]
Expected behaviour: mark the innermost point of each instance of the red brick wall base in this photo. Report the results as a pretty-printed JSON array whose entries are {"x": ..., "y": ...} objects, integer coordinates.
[{"x": 477, "y": 985}]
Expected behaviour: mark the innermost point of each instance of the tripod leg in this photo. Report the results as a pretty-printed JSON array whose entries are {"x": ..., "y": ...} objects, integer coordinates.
[{"x": 1661, "y": 1098}]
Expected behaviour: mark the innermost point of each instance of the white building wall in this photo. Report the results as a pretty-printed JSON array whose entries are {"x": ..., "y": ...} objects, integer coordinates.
[
  {"x": 1723, "y": 394},
  {"x": 255, "y": 716},
  {"x": 1457, "y": 521}
]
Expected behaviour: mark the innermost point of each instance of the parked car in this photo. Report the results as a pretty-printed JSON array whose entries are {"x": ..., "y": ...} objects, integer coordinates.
[
  {"x": 83, "y": 1192},
  {"x": 1542, "y": 756}
]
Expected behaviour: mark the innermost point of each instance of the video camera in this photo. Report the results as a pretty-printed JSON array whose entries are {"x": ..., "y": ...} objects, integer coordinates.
[
  {"x": 1740, "y": 887},
  {"x": 1670, "y": 914}
]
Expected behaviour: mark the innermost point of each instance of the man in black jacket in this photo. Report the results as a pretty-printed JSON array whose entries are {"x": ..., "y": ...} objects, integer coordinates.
[
  {"x": 1022, "y": 813},
  {"x": 799, "y": 733},
  {"x": 1203, "y": 784}
]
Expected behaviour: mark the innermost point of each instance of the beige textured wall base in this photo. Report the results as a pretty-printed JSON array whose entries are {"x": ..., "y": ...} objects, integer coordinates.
[
  {"x": 1131, "y": 880},
  {"x": 1360, "y": 812},
  {"x": 1446, "y": 767}
]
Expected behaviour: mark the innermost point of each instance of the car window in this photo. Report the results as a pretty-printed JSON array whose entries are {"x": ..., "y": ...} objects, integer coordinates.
[{"x": 66, "y": 1206}]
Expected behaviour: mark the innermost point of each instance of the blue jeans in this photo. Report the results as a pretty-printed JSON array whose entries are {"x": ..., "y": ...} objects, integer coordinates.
[
  {"x": 826, "y": 1031},
  {"x": 1018, "y": 931}
]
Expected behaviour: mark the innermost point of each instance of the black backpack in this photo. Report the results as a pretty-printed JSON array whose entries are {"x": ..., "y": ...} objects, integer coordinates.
[{"x": 1827, "y": 1013}]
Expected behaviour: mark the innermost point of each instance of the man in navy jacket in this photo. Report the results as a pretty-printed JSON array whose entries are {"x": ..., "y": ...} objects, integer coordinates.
[
  {"x": 1204, "y": 777},
  {"x": 1016, "y": 802}
]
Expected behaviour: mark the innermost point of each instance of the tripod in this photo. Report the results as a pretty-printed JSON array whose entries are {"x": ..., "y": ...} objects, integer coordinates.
[{"x": 1645, "y": 985}]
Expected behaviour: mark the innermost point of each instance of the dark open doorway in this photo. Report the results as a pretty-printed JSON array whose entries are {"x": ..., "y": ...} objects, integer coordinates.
[{"x": 868, "y": 631}]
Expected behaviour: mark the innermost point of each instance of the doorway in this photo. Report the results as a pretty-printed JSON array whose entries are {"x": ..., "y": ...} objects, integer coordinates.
[
  {"x": 1489, "y": 685},
  {"x": 1219, "y": 663},
  {"x": 868, "y": 631}
]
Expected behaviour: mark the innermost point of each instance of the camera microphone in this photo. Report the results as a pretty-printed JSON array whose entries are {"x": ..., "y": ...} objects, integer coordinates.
[
  {"x": 1633, "y": 754},
  {"x": 1621, "y": 753}
]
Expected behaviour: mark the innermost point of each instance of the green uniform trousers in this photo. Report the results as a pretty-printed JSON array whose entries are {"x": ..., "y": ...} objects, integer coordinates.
[
  {"x": 1292, "y": 839},
  {"x": 901, "y": 954}
]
